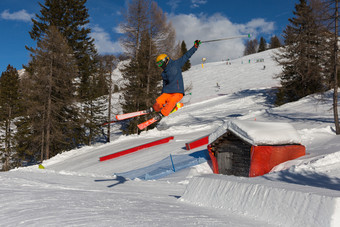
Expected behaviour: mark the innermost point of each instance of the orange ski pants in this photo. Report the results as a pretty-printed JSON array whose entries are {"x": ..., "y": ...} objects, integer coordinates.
[{"x": 167, "y": 102}]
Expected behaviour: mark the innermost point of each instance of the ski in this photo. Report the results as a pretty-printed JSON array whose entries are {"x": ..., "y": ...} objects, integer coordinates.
[
  {"x": 155, "y": 119},
  {"x": 125, "y": 116},
  {"x": 110, "y": 122},
  {"x": 130, "y": 115},
  {"x": 147, "y": 123}
]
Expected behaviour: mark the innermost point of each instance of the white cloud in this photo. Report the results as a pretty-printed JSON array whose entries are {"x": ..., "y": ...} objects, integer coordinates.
[
  {"x": 103, "y": 42},
  {"x": 118, "y": 29},
  {"x": 21, "y": 15},
  {"x": 259, "y": 26},
  {"x": 191, "y": 27},
  {"x": 197, "y": 3},
  {"x": 173, "y": 4}
]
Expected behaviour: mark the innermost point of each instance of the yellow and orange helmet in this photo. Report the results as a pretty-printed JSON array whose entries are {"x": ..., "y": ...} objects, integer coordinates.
[{"x": 162, "y": 59}]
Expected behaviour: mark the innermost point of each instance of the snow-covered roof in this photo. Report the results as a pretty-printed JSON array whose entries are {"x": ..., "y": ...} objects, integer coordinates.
[{"x": 259, "y": 133}]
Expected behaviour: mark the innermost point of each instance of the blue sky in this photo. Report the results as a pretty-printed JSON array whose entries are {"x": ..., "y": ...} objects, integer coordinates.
[{"x": 192, "y": 19}]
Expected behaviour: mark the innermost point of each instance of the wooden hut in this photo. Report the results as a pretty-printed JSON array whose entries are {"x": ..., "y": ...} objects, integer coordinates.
[{"x": 253, "y": 148}]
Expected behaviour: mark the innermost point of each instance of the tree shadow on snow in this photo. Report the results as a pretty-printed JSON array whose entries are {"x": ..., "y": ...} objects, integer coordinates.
[
  {"x": 119, "y": 179},
  {"x": 298, "y": 117},
  {"x": 306, "y": 178},
  {"x": 269, "y": 95}
]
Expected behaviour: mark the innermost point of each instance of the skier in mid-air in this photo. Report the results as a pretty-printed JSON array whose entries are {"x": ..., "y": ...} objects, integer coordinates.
[{"x": 173, "y": 86}]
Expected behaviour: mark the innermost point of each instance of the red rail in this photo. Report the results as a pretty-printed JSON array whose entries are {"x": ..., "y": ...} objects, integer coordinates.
[
  {"x": 197, "y": 143},
  {"x": 134, "y": 149}
]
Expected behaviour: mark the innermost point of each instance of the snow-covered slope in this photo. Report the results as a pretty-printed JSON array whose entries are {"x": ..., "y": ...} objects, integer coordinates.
[
  {"x": 220, "y": 78},
  {"x": 75, "y": 189}
]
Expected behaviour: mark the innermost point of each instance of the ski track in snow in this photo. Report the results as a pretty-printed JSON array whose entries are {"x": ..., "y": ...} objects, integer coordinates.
[{"x": 75, "y": 189}]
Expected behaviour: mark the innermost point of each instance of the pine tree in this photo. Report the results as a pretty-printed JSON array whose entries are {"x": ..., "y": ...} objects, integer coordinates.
[
  {"x": 71, "y": 19},
  {"x": 147, "y": 34},
  {"x": 302, "y": 57},
  {"x": 27, "y": 149},
  {"x": 92, "y": 109},
  {"x": 9, "y": 110},
  {"x": 51, "y": 100},
  {"x": 263, "y": 45},
  {"x": 184, "y": 49},
  {"x": 328, "y": 11},
  {"x": 274, "y": 42},
  {"x": 140, "y": 91},
  {"x": 251, "y": 47},
  {"x": 107, "y": 64}
]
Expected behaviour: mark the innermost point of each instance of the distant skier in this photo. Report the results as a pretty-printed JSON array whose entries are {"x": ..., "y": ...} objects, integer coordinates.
[{"x": 173, "y": 86}]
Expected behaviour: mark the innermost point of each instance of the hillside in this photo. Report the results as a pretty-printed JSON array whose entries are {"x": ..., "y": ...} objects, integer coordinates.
[{"x": 76, "y": 189}]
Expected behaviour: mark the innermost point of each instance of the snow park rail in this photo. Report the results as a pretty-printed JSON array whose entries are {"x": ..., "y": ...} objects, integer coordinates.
[
  {"x": 197, "y": 142},
  {"x": 134, "y": 149}
]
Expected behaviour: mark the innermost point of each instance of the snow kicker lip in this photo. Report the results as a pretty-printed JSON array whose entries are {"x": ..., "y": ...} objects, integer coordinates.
[{"x": 296, "y": 206}]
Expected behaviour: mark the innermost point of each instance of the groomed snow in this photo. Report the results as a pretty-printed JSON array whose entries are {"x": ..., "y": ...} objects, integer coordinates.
[{"x": 75, "y": 189}]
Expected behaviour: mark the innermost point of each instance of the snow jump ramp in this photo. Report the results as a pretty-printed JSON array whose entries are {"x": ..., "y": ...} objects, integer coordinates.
[{"x": 277, "y": 203}]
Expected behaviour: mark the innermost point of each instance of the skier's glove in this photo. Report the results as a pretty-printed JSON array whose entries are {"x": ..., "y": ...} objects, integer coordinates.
[{"x": 197, "y": 43}]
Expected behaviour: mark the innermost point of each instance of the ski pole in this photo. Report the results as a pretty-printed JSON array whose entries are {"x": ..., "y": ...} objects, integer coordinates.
[{"x": 234, "y": 37}]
